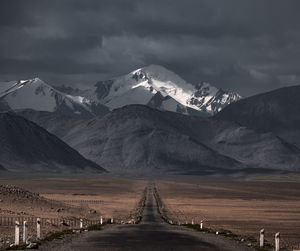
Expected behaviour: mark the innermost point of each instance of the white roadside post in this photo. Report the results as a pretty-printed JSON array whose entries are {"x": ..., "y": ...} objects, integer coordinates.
[
  {"x": 201, "y": 225},
  {"x": 192, "y": 221},
  {"x": 25, "y": 232},
  {"x": 38, "y": 228},
  {"x": 277, "y": 241},
  {"x": 81, "y": 223},
  {"x": 262, "y": 238},
  {"x": 17, "y": 233},
  {"x": 112, "y": 220},
  {"x": 101, "y": 220}
]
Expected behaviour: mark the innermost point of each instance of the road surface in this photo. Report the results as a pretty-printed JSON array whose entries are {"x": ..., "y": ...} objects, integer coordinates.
[{"x": 151, "y": 234}]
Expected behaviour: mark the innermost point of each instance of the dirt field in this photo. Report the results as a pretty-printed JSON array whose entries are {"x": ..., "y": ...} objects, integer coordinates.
[
  {"x": 241, "y": 206},
  {"x": 68, "y": 198}
]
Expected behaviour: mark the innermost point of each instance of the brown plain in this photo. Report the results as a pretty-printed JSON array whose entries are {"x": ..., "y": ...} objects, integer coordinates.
[
  {"x": 69, "y": 198},
  {"x": 241, "y": 206}
]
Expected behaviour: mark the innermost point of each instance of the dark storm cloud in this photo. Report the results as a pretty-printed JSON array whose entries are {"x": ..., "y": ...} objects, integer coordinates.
[{"x": 248, "y": 46}]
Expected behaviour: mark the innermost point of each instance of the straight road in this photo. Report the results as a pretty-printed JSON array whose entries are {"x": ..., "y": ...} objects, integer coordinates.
[{"x": 151, "y": 234}]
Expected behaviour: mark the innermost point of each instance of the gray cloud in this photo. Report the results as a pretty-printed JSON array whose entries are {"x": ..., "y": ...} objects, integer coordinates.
[{"x": 247, "y": 46}]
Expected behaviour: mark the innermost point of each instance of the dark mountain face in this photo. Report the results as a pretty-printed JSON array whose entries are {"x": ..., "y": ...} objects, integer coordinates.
[
  {"x": 138, "y": 138},
  {"x": 55, "y": 123},
  {"x": 4, "y": 106},
  {"x": 276, "y": 111},
  {"x": 2, "y": 168},
  {"x": 24, "y": 146}
]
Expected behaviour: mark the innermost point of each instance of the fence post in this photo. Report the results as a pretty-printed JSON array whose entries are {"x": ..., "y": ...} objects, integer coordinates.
[
  {"x": 101, "y": 220},
  {"x": 192, "y": 221},
  {"x": 201, "y": 225},
  {"x": 81, "y": 223},
  {"x": 25, "y": 231},
  {"x": 262, "y": 238},
  {"x": 112, "y": 220},
  {"x": 38, "y": 228},
  {"x": 277, "y": 241},
  {"x": 17, "y": 233}
]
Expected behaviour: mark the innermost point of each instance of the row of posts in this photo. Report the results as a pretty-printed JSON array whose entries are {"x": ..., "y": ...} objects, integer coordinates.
[
  {"x": 261, "y": 238},
  {"x": 38, "y": 230},
  {"x": 25, "y": 231}
]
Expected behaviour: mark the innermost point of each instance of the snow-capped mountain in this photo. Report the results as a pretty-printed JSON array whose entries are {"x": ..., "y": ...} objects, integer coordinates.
[
  {"x": 162, "y": 89},
  {"x": 35, "y": 94},
  {"x": 153, "y": 85}
]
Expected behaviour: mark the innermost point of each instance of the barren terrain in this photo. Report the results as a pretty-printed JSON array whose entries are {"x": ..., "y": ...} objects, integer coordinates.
[
  {"x": 67, "y": 199},
  {"x": 152, "y": 233},
  {"x": 241, "y": 206}
]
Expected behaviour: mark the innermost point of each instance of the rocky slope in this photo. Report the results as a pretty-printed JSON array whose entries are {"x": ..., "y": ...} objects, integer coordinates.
[
  {"x": 25, "y": 146},
  {"x": 137, "y": 138},
  {"x": 276, "y": 111},
  {"x": 35, "y": 94}
]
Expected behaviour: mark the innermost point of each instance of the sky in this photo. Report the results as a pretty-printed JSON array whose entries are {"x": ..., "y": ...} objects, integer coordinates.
[{"x": 247, "y": 46}]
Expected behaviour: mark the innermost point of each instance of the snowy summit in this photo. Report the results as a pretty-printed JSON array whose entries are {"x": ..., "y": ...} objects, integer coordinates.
[
  {"x": 160, "y": 88},
  {"x": 35, "y": 94}
]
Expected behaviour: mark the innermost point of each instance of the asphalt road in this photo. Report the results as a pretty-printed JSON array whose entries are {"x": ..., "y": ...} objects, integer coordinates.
[{"x": 151, "y": 234}]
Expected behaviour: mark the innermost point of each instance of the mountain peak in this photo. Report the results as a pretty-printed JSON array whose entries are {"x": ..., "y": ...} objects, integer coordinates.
[
  {"x": 153, "y": 69},
  {"x": 169, "y": 90},
  {"x": 160, "y": 73},
  {"x": 30, "y": 81}
]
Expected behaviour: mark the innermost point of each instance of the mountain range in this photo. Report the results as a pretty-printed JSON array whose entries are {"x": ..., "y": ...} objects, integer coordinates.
[
  {"x": 158, "y": 88},
  {"x": 138, "y": 137},
  {"x": 151, "y": 121},
  {"x": 154, "y": 86}
]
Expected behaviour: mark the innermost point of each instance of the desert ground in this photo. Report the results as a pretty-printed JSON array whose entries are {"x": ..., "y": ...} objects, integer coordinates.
[
  {"x": 67, "y": 199},
  {"x": 243, "y": 206}
]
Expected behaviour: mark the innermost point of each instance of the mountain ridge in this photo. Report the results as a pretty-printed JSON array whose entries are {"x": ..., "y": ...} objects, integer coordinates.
[
  {"x": 276, "y": 111},
  {"x": 37, "y": 95},
  {"x": 152, "y": 85},
  {"x": 138, "y": 137}
]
